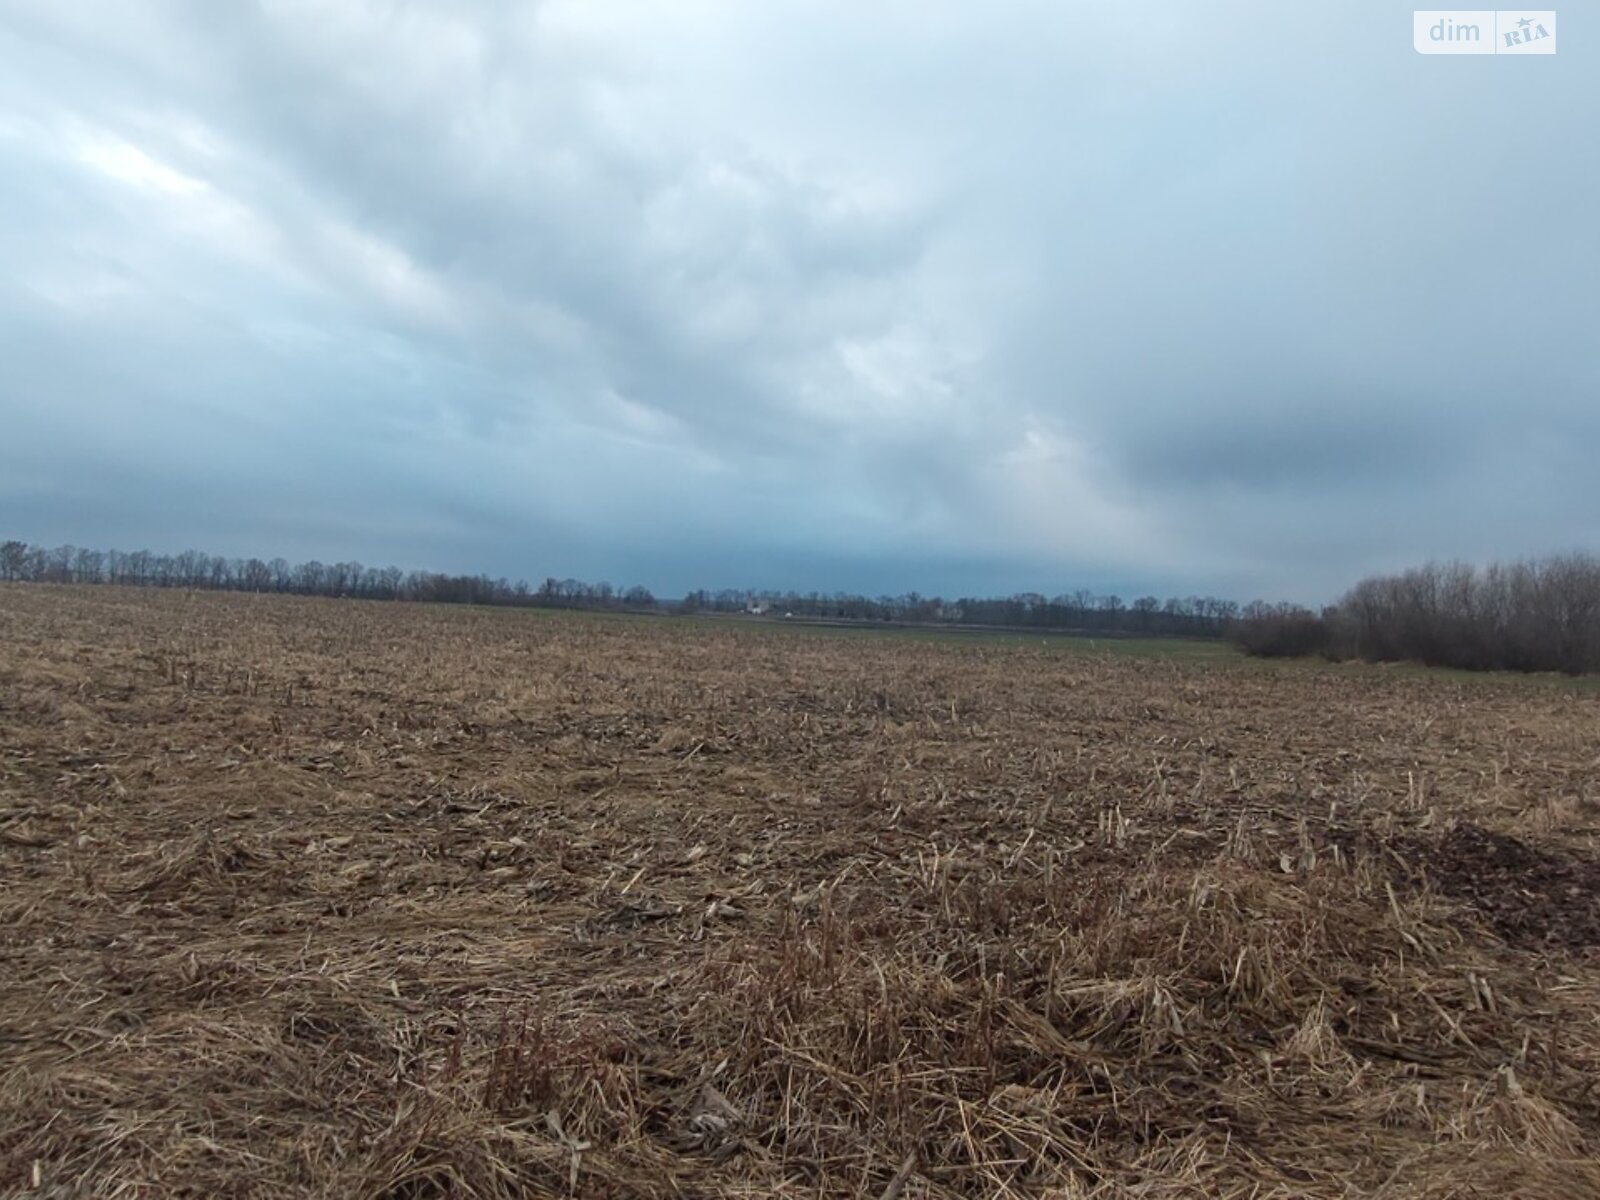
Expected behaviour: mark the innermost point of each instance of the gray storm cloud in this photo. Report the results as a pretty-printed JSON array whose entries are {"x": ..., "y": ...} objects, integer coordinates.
[{"x": 1237, "y": 298}]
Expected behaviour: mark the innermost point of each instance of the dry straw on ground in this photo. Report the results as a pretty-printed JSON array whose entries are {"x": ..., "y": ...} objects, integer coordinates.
[{"x": 337, "y": 899}]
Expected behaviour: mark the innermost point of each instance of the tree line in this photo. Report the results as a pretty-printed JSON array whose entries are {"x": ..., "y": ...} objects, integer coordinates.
[
  {"x": 1081, "y": 610},
  {"x": 196, "y": 569},
  {"x": 1538, "y": 615}
]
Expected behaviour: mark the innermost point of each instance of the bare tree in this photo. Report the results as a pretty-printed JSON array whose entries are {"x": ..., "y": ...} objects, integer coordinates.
[{"x": 13, "y": 558}]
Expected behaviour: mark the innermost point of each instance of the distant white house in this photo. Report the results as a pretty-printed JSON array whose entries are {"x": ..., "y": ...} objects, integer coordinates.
[{"x": 757, "y": 608}]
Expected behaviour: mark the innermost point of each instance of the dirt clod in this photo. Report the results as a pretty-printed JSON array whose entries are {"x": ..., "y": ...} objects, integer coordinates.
[{"x": 1531, "y": 895}]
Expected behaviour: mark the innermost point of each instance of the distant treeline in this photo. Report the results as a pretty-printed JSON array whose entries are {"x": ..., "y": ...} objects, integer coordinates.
[
  {"x": 1542, "y": 615},
  {"x": 1192, "y": 616},
  {"x": 195, "y": 569}
]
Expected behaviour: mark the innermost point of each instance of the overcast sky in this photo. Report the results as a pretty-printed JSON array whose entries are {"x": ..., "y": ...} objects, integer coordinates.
[{"x": 1249, "y": 299}]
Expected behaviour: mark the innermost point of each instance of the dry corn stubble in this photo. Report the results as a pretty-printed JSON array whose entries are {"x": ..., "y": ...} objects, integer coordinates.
[{"x": 342, "y": 899}]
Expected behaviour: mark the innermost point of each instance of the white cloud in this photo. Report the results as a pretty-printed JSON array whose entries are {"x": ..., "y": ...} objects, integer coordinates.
[{"x": 128, "y": 164}]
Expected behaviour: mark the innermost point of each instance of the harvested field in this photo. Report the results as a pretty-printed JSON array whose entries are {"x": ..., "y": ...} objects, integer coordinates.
[{"x": 343, "y": 899}]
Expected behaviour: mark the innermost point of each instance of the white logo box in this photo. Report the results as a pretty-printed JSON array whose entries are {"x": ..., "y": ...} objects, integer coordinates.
[{"x": 1484, "y": 31}]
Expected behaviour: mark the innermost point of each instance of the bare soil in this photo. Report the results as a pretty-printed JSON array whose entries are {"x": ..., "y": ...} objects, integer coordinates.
[{"x": 1530, "y": 895}]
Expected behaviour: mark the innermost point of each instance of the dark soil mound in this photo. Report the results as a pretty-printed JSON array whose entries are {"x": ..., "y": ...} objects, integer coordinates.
[{"x": 1531, "y": 895}]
